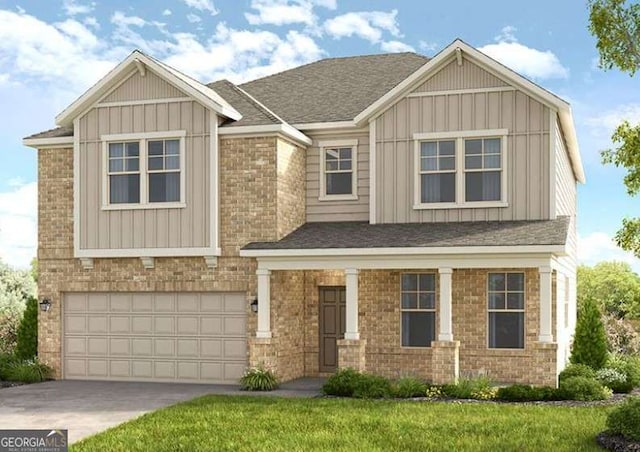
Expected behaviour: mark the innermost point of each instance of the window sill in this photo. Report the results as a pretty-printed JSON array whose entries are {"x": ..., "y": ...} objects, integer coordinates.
[
  {"x": 155, "y": 205},
  {"x": 467, "y": 205},
  {"x": 338, "y": 198}
]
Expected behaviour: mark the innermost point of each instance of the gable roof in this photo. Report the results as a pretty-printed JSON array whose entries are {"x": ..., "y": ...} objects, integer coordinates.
[
  {"x": 197, "y": 90},
  {"x": 333, "y": 89},
  {"x": 356, "y": 234},
  {"x": 489, "y": 64},
  {"x": 253, "y": 113}
]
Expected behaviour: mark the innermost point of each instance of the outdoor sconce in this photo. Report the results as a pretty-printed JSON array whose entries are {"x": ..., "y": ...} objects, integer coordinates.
[
  {"x": 45, "y": 305},
  {"x": 254, "y": 305}
]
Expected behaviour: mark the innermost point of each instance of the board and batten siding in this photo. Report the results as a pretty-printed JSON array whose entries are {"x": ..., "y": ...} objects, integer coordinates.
[
  {"x": 344, "y": 210},
  {"x": 454, "y": 77},
  {"x": 528, "y": 153},
  {"x": 145, "y": 228},
  {"x": 136, "y": 87}
]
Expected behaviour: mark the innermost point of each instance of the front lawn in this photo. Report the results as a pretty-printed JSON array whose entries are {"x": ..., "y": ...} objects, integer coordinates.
[{"x": 265, "y": 423}]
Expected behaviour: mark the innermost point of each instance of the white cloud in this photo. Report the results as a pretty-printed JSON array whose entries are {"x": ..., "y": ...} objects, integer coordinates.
[
  {"x": 427, "y": 46},
  {"x": 599, "y": 246},
  {"x": 91, "y": 22},
  {"x": 606, "y": 121},
  {"x": 193, "y": 18},
  {"x": 4, "y": 78},
  {"x": 283, "y": 12},
  {"x": 528, "y": 61},
  {"x": 166, "y": 12},
  {"x": 18, "y": 224},
  {"x": 72, "y": 8},
  {"x": 396, "y": 46},
  {"x": 368, "y": 25},
  {"x": 202, "y": 5}
]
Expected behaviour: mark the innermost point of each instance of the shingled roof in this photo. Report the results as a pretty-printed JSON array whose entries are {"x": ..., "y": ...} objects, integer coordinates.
[
  {"x": 356, "y": 234},
  {"x": 252, "y": 112},
  {"x": 333, "y": 89}
]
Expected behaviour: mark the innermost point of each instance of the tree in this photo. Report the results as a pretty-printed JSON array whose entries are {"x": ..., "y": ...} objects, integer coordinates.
[
  {"x": 590, "y": 341},
  {"x": 16, "y": 287},
  {"x": 27, "y": 340},
  {"x": 614, "y": 286},
  {"x": 616, "y": 26}
]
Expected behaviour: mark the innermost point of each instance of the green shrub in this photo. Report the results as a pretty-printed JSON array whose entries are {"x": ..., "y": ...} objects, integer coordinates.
[
  {"x": 614, "y": 379},
  {"x": 409, "y": 387},
  {"x": 369, "y": 386},
  {"x": 6, "y": 360},
  {"x": 27, "y": 336},
  {"x": 625, "y": 419},
  {"x": 577, "y": 370},
  {"x": 258, "y": 379},
  {"x": 27, "y": 371},
  {"x": 628, "y": 365},
  {"x": 342, "y": 383},
  {"x": 582, "y": 388},
  {"x": 467, "y": 388},
  {"x": 590, "y": 340},
  {"x": 520, "y": 393}
]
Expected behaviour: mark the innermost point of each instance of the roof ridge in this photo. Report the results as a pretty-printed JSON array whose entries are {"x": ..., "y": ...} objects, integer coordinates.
[{"x": 333, "y": 59}]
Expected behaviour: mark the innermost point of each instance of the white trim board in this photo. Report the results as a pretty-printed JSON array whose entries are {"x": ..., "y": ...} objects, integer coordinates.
[
  {"x": 258, "y": 130},
  {"x": 147, "y": 252},
  {"x": 52, "y": 142}
]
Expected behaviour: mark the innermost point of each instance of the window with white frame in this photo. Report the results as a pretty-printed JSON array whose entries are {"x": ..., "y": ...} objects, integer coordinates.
[
  {"x": 438, "y": 171},
  {"x": 418, "y": 309},
  {"x": 144, "y": 171},
  {"x": 338, "y": 170},
  {"x": 460, "y": 169},
  {"x": 506, "y": 302}
]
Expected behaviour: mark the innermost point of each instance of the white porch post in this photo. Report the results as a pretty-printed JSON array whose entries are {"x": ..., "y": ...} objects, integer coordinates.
[
  {"x": 351, "y": 329},
  {"x": 264, "y": 303},
  {"x": 545, "y": 304},
  {"x": 446, "y": 330}
]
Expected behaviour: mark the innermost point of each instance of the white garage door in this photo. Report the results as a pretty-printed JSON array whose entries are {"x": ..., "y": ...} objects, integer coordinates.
[{"x": 186, "y": 337}]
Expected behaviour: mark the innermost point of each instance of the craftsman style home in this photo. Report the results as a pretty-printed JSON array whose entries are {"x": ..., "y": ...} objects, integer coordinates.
[{"x": 389, "y": 213}]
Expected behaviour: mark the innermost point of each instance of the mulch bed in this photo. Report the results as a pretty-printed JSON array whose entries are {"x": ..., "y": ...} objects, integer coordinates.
[
  {"x": 9, "y": 384},
  {"x": 617, "y": 443}
]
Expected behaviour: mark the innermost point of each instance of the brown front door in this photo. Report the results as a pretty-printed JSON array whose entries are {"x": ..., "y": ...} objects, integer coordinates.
[{"x": 332, "y": 312}]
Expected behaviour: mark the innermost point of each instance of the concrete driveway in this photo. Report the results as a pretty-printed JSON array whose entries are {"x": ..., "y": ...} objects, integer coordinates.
[{"x": 88, "y": 407}]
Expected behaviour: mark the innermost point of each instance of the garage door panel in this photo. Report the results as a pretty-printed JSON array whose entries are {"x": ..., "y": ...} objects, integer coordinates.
[
  {"x": 119, "y": 346},
  {"x": 97, "y": 346},
  {"x": 98, "y": 303},
  {"x": 75, "y": 302},
  {"x": 163, "y": 325},
  {"x": 142, "y": 324},
  {"x": 97, "y": 324},
  {"x": 76, "y": 324},
  {"x": 191, "y": 337},
  {"x": 164, "y": 347},
  {"x": 164, "y": 369},
  {"x": 120, "y": 303},
  {"x": 76, "y": 346},
  {"x": 188, "y": 302}
]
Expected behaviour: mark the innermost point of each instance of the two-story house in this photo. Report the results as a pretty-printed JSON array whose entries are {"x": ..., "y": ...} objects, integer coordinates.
[{"x": 390, "y": 213}]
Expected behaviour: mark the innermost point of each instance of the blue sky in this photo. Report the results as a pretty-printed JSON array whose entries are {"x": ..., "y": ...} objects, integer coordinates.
[{"x": 52, "y": 51}]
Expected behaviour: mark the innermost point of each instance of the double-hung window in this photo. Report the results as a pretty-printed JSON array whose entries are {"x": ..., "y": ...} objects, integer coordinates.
[
  {"x": 418, "y": 309},
  {"x": 460, "y": 169},
  {"x": 506, "y": 301},
  {"x": 338, "y": 170},
  {"x": 144, "y": 170}
]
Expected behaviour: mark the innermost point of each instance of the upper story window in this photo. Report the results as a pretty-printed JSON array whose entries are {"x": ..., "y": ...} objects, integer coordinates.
[
  {"x": 144, "y": 170},
  {"x": 460, "y": 169},
  {"x": 338, "y": 170}
]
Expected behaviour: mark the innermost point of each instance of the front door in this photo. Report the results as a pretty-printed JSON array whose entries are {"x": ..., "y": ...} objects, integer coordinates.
[{"x": 332, "y": 312}]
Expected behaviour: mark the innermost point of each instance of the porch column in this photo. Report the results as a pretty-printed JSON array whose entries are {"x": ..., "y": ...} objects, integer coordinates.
[
  {"x": 351, "y": 329},
  {"x": 446, "y": 330},
  {"x": 545, "y": 305},
  {"x": 264, "y": 303}
]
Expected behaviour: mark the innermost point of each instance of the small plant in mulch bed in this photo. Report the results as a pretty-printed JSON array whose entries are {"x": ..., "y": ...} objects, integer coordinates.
[
  {"x": 408, "y": 387},
  {"x": 24, "y": 371},
  {"x": 258, "y": 379},
  {"x": 479, "y": 388},
  {"x": 623, "y": 427}
]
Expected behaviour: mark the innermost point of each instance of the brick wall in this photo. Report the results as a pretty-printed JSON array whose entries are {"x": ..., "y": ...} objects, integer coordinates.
[{"x": 249, "y": 191}]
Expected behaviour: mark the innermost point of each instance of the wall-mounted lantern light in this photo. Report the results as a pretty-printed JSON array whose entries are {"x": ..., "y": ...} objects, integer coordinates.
[
  {"x": 254, "y": 305},
  {"x": 45, "y": 305}
]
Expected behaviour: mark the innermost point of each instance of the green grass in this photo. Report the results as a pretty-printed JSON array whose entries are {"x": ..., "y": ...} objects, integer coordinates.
[{"x": 264, "y": 423}]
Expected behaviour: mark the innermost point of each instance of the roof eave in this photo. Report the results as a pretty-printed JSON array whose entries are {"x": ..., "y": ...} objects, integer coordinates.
[{"x": 50, "y": 142}]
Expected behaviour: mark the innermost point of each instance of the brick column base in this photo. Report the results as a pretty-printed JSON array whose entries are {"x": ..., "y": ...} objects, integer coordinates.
[
  {"x": 544, "y": 368},
  {"x": 445, "y": 362},
  {"x": 262, "y": 353},
  {"x": 351, "y": 354}
]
